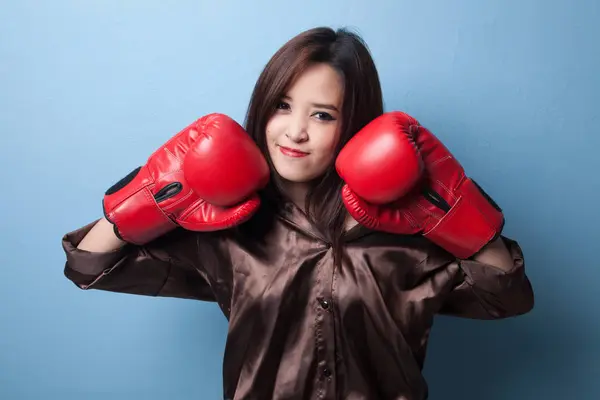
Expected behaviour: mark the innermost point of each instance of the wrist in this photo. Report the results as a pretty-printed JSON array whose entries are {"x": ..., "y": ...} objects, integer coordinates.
[
  {"x": 472, "y": 222},
  {"x": 133, "y": 211}
]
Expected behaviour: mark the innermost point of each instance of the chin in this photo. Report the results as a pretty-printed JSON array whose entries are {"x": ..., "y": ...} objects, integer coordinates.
[
  {"x": 296, "y": 178},
  {"x": 295, "y": 175}
]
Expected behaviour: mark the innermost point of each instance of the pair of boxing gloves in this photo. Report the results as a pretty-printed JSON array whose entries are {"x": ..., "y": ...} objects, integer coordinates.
[{"x": 399, "y": 178}]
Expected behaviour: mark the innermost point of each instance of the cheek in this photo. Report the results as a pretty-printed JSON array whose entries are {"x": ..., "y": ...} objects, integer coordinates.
[
  {"x": 328, "y": 141},
  {"x": 269, "y": 134},
  {"x": 273, "y": 129}
]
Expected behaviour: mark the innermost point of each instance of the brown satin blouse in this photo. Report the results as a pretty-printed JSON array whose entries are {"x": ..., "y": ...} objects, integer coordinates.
[{"x": 300, "y": 327}]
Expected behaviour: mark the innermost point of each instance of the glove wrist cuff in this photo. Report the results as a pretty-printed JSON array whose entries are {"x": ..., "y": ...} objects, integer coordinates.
[
  {"x": 132, "y": 209},
  {"x": 473, "y": 221}
]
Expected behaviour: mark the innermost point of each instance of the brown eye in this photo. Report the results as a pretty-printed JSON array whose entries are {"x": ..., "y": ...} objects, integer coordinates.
[
  {"x": 282, "y": 105},
  {"x": 324, "y": 116}
]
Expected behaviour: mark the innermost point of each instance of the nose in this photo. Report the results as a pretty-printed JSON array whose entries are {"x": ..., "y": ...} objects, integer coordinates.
[{"x": 297, "y": 130}]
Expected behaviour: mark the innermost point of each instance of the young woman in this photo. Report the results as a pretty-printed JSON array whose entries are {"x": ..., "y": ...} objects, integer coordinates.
[{"x": 329, "y": 232}]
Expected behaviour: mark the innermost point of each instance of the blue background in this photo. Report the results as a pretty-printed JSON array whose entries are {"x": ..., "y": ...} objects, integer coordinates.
[{"x": 89, "y": 88}]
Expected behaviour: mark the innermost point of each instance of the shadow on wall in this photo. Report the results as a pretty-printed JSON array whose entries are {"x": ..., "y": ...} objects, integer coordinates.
[{"x": 535, "y": 356}]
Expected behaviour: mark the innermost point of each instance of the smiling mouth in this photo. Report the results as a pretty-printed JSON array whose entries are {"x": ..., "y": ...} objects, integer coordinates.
[{"x": 292, "y": 152}]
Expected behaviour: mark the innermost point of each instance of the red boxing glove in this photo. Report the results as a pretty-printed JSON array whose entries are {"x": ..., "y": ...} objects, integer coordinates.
[
  {"x": 204, "y": 178},
  {"x": 444, "y": 205}
]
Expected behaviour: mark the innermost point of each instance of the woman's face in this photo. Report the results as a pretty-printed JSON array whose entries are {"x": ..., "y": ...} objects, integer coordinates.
[{"x": 305, "y": 129}]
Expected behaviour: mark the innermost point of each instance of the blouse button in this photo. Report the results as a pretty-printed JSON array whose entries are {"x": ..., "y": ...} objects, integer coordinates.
[
  {"x": 324, "y": 303},
  {"x": 326, "y": 372}
]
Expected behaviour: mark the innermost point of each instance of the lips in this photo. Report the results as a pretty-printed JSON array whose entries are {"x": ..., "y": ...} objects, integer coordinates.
[{"x": 292, "y": 152}]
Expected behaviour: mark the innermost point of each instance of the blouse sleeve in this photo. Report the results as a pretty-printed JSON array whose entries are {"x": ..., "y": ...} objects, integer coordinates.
[
  {"x": 484, "y": 291},
  {"x": 166, "y": 267}
]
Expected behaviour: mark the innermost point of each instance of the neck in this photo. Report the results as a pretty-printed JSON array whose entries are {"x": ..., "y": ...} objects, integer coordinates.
[{"x": 296, "y": 192}]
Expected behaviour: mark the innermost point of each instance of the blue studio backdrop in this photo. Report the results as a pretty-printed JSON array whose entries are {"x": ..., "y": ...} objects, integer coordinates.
[{"x": 88, "y": 89}]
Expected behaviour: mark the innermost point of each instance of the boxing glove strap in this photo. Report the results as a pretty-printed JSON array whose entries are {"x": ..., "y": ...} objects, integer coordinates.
[
  {"x": 472, "y": 222},
  {"x": 132, "y": 208}
]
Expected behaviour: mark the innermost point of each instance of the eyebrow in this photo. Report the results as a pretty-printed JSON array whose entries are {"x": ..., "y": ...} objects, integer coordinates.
[{"x": 317, "y": 105}]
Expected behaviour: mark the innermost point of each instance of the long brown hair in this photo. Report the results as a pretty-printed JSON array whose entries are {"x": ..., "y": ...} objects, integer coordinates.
[{"x": 348, "y": 54}]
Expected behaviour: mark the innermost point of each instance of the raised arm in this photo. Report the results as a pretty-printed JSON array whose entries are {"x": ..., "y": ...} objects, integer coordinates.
[{"x": 203, "y": 179}]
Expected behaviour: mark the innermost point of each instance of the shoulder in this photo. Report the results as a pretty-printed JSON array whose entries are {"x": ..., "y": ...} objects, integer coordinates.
[{"x": 408, "y": 249}]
